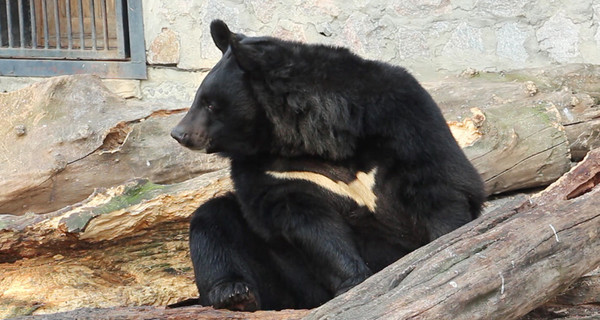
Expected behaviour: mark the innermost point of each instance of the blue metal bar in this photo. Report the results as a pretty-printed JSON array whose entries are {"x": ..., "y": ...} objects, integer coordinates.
[
  {"x": 120, "y": 17},
  {"x": 69, "y": 26},
  {"x": 21, "y": 24},
  {"x": 1, "y": 41},
  {"x": 104, "y": 23},
  {"x": 9, "y": 24},
  {"x": 104, "y": 69},
  {"x": 33, "y": 24},
  {"x": 81, "y": 29},
  {"x": 135, "y": 24},
  {"x": 62, "y": 53},
  {"x": 57, "y": 24},
  {"x": 93, "y": 17},
  {"x": 128, "y": 61},
  {"x": 45, "y": 17}
]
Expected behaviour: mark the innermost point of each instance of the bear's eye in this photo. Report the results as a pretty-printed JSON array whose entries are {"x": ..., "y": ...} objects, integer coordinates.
[{"x": 210, "y": 108}]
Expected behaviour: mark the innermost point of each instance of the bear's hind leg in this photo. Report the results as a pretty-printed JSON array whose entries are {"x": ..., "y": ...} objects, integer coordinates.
[
  {"x": 454, "y": 214},
  {"x": 229, "y": 260}
]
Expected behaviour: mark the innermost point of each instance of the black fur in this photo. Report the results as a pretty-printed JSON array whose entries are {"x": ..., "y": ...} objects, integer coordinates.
[{"x": 294, "y": 240}]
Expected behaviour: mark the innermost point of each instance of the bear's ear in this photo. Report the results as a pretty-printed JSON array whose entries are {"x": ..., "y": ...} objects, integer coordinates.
[
  {"x": 220, "y": 34},
  {"x": 259, "y": 56},
  {"x": 248, "y": 56}
]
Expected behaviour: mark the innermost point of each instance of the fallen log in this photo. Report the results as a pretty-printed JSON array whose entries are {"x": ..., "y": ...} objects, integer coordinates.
[
  {"x": 63, "y": 137},
  {"x": 576, "y": 90},
  {"x": 123, "y": 246},
  {"x": 521, "y": 129},
  {"x": 130, "y": 210},
  {"x": 500, "y": 266},
  {"x": 503, "y": 265},
  {"x": 154, "y": 313},
  {"x": 129, "y": 244},
  {"x": 585, "y": 290}
]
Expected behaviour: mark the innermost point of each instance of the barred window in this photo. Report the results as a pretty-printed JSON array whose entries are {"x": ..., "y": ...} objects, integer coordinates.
[{"x": 54, "y": 37}]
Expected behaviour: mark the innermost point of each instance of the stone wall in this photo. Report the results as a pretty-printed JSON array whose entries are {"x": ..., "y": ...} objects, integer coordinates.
[
  {"x": 429, "y": 37},
  {"x": 426, "y": 35}
]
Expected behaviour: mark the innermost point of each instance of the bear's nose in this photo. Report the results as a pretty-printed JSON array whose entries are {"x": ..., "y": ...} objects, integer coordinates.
[{"x": 179, "y": 135}]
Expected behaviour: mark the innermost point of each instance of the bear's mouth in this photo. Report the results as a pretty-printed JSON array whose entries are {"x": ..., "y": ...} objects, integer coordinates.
[
  {"x": 200, "y": 149},
  {"x": 192, "y": 141},
  {"x": 204, "y": 146}
]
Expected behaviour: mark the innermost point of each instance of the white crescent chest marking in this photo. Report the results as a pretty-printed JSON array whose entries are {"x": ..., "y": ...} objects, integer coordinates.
[{"x": 359, "y": 190}]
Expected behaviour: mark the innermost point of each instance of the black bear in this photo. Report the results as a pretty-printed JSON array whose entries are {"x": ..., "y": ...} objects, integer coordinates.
[{"x": 341, "y": 166}]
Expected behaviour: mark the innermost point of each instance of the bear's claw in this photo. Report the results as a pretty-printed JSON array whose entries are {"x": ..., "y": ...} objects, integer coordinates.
[{"x": 235, "y": 296}]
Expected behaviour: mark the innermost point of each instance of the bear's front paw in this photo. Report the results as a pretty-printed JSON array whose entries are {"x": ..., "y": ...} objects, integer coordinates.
[
  {"x": 352, "y": 282},
  {"x": 235, "y": 296}
]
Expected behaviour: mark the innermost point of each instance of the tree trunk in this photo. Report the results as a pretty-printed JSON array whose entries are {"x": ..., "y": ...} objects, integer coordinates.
[
  {"x": 63, "y": 137},
  {"x": 521, "y": 129},
  {"x": 585, "y": 290},
  {"x": 123, "y": 246},
  {"x": 127, "y": 245},
  {"x": 153, "y": 313},
  {"x": 501, "y": 266}
]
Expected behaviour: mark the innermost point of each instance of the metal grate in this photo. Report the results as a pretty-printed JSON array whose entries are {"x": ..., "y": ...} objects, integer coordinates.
[{"x": 107, "y": 33}]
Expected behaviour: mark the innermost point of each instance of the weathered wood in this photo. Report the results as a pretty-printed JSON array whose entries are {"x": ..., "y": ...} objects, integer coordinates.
[
  {"x": 57, "y": 135},
  {"x": 123, "y": 246},
  {"x": 501, "y": 266},
  {"x": 128, "y": 245},
  {"x": 551, "y": 312},
  {"x": 522, "y": 128},
  {"x": 152, "y": 266},
  {"x": 516, "y": 141},
  {"x": 585, "y": 290},
  {"x": 154, "y": 313},
  {"x": 60, "y": 138},
  {"x": 576, "y": 92},
  {"x": 108, "y": 214}
]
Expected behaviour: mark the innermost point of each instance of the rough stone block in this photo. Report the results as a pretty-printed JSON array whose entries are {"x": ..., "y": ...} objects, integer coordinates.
[
  {"x": 503, "y": 8},
  {"x": 164, "y": 49},
  {"x": 511, "y": 42},
  {"x": 465, "y": 38},
  {"x": 176, "y": 86},
  {"x": 124, "y": 88},
  {"x": 559, "y": 36}
]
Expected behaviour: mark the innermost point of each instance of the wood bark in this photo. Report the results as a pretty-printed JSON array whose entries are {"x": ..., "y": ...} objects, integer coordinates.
[
  {"x": 575, "y": 91},
  {"x": 585, "y": 290},
  {"x": 522, "y": 128},
  {"x": 127, "y": 245},
  {"x": 519, "y": 134},
  {"x": 154, "y": 313},
  {"x": 63, "y": 137},
  {"x": 510, "y": 261},
  {"x": 580, "y": 301},
  {"x": 501, "y": 266},
  {"x": 123, "y": 246},
  {"x": 131, "y": 210}
]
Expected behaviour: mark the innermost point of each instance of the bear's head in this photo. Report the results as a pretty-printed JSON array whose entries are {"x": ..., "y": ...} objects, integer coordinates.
[{"x": 271, "y": 96}]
